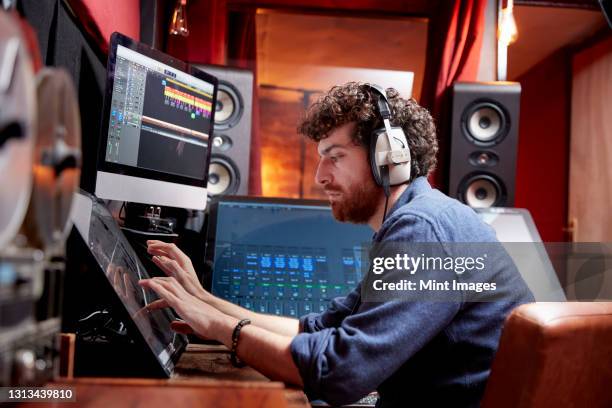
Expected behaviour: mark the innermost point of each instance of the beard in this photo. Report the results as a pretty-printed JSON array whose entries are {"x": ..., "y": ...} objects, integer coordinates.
[{"x": 358, "y": 203}]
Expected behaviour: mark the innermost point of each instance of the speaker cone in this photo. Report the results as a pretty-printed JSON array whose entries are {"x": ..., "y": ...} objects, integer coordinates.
[
  {"x": 481, "y": 191},
  {"x": 223, "y": 178},
  {"x": 485, "y": 123},
  {"x": 228, "y": 109}
]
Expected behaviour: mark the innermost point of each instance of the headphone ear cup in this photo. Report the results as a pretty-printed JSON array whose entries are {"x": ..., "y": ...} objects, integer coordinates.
[
  {"x": 373, "y": 142},
  {"x": 397, "y": 174}
]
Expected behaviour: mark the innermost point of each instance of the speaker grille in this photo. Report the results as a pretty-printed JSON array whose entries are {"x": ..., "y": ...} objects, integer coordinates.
[
  {"x": 485, "y": 123},
  {"x": 482, "y": 191},
  {"x": 229, "y": 106},
  {"x": 223, "y": 177}
]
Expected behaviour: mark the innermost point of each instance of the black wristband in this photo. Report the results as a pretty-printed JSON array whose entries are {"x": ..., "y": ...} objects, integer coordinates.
[{"x": 236, "y": 362}]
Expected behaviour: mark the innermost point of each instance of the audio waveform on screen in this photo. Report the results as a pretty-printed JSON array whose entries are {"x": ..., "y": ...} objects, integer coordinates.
[
  {"x": 175, "y": 128},
  {"x": 187, "y": 102}
]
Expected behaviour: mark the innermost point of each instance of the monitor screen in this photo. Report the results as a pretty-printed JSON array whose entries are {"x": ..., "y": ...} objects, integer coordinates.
[
  {"x": 511, "y": 226},
  {"x": 517, "y": 231},
  {"x": 122, "y": 268},
  {"x": 284, "y": 257},
  {"x": 158, "y": 123}
]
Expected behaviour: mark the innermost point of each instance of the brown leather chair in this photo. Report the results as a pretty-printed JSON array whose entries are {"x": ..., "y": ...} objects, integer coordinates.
[{"x": 554, "y": 355}]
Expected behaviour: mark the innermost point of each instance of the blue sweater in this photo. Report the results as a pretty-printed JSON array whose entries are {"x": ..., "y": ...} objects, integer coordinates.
[{"x": 424, "y": 353}]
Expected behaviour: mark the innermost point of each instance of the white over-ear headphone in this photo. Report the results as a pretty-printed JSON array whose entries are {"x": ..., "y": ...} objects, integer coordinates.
[{"x": 389, "y": 152}]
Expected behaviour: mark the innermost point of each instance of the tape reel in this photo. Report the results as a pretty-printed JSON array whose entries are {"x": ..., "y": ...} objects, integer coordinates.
[
  {"x": 57, "y": 157},
  {"x": 17, "y": 132}
]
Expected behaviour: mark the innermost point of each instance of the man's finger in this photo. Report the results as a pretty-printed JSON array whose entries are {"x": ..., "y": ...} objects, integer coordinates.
[
  {"x": 172, "y": 286},
  {"x": 164, "y": 264},
  {"x": 162, "y": 291},
  {"x": 172, "y": 250},
  {"x": 157, "y": 304},
  {"x": 182, "y": 327},
  {"x": 171, "y": 264},
  {"x": 142, "y": 311},
  {"x": 156, "y": 251}
]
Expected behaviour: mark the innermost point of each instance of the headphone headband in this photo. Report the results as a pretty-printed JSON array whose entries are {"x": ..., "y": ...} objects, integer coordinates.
[
  {"x": 382, "y": 101},
  {"x": 377, "y": 89}
]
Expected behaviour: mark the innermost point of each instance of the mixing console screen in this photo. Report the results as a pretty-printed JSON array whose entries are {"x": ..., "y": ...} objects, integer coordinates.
[{"x": 285, "y": 259}]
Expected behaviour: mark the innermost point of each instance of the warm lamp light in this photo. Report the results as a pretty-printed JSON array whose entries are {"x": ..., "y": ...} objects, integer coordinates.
[
  {"x": 178, "y": 24},
  {"x": 507, "y": 32}
]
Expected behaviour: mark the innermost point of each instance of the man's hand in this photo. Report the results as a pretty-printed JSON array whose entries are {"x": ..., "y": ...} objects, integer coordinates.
[
  {"x": 198, "y": 317},
  {"x": 266, "y": 351},
  {"x": 176, "y": 264}
]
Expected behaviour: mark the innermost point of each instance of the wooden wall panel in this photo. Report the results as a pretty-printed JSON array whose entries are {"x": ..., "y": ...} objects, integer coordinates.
[
  {"x": 590, "y": 192},
  {"x": 280, "y": 150}
]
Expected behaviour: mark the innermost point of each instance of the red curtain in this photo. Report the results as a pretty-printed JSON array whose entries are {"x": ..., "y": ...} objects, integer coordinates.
[
  {"x": 101, "y": 18},
  {"x": 453, "y": 54}
]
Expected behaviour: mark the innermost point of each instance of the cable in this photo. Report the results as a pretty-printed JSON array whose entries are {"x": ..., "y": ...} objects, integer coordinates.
[
  {"x": 385, "y": 213},
  {"x": 384, "y": 172}
]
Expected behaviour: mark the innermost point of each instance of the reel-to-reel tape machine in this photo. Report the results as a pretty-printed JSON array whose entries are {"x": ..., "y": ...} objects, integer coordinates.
[{"x": 40, "y": 136}]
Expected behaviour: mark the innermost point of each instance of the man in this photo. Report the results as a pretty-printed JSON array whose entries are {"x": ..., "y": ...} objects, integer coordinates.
[{"x": 413, "y": 352}]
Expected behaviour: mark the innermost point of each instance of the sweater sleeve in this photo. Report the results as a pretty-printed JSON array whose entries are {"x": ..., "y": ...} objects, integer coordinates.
[
  {"x": 344, "y": 361},
  {"x": 342, "y": 364},
  {"x": 338, "y": 309}
]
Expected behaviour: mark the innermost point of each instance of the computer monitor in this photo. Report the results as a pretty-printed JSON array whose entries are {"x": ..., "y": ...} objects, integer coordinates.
[
  {"x": 157, "y": 125},
  {"x": 282, "y": 256},
  {"x": 510, "y": 224},
  {"x": 517, "y": 231},
  {"x": 106, "y": 307}
]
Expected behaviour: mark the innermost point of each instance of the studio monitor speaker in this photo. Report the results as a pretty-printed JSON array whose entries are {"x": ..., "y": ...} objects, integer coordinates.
[
  {"x": 484, "y": 138},
  {"x": 231, "y": 145}
]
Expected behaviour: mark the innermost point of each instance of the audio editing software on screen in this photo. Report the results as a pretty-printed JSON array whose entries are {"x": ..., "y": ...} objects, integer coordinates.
[
  {"x": 285, "y": 259},
  {"x": 160, "y": 117}
]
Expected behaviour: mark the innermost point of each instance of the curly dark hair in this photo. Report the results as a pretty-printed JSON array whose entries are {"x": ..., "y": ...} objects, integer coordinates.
[{"x": 356, "y": 102}]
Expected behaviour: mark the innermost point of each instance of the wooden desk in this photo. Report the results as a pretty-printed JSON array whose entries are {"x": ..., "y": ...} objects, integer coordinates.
[{"x": 204, "y": 377}]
